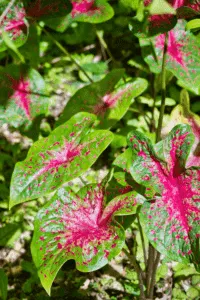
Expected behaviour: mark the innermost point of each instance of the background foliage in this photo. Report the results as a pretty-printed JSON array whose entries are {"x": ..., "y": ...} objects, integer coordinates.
[{"x": 56, "y": 55}]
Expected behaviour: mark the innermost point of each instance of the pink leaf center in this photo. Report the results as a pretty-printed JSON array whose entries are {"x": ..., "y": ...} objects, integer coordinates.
[
  {"x": 60, "y": 158},
  {"x": 21, "y": 95},
  {"x": 108, "y": 101},
  {"x": 17, "y": 25},
  {"x": 174, "y": 48},
  {"x": 83, "y": 6}
]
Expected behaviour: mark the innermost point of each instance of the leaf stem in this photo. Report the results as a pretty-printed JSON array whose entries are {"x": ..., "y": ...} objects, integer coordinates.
[
  {"x": 104, "y": 44},
  {"x": 151, "y": 254},
  {"x": 153, "y": 94},
  {"x": 154, "y": 255},
  {"x": 138, "y": 271},
  {"x": 153, "y": 275},
  {"x": 142, "y": 239},
  {"x": 163, "y": 90},
  {"x": 58, "y": 44}
]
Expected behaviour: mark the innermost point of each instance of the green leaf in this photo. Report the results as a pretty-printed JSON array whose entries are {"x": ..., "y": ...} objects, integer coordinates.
[
  {"x": 30, "y": 50},
  {"x": 120, "y": 184},
  {"x": 9, "y": 233},
  {"x": 193, "y": 24},
  {"x": 159, "y": 7},
  {"x": 3, "y": 284},
  {"x": 182, "y": 114},
  {"x": 193, "y": 293},
  {"x": 182, "y": 54},
  {"x": 64, "y": 155},
  {"x": 23, "y": 95},
  {"x": 101, "y": 98},
  {"x": 11, "y": 45},
  {"x": 184, "y": 270},
  {"x": 124, "y": 160},
  {"x": 79, "y": 227}
]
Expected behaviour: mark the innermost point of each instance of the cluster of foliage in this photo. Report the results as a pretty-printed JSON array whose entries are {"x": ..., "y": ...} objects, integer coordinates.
[{"x": 147, "y": 64}]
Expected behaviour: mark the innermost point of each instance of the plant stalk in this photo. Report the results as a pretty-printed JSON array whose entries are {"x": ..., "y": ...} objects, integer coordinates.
[
  {"x": 151, "y": 255},
  {"x": 163, "y": 90},
  {"x": 66, "y": 53},
  {"x": 153, "y": 276},
  {"x": 154, "y": 255},
  {"x": 142, "y": 240},
  {"x": 138, "y": 271}
]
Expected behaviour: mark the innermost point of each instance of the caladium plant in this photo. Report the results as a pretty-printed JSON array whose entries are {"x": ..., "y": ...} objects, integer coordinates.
[
  {"x": 23, "y": 95},
  {"x": 80, "y": 227},
  {"x": 171, "y": 218},
  {"x": 102, "y": 99},
  {"x": 64, "y": 155},
  {"x": 182, "y": 54}
]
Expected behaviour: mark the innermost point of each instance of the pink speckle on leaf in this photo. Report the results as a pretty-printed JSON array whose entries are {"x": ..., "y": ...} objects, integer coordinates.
[
  {"x": 59, "y": 246},
  {"x": 142, "y": 153}
]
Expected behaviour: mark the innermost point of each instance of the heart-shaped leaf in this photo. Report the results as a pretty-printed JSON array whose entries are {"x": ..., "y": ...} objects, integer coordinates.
[
  {"x": 182, "y": 54},
  {"x": 182, "y": 114},
  {"x": 100, "y": 99},
  {"x": 64, "y": 155},
  {"x": 171, "y": 218},
  {"x": 23, "y": 95},
  {"x": 79, "y": 227},
  {"x": 14, "y": 24},
  {"x": 91, "y": 11}
]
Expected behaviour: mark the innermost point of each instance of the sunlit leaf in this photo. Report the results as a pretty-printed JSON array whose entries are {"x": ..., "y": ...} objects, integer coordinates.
[
  {"x": 64, "y": 155},
  {"x": 79, "y": 227},
  {"x": 171, "y": 219}
]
